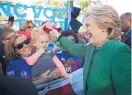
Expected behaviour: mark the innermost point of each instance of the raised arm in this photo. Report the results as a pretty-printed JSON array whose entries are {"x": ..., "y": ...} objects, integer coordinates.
[
  {"x": 31, "y": 60},
  {"x": 73, "y": 48}
]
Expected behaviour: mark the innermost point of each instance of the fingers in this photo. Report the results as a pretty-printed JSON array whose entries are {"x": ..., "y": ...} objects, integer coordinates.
[
  {"x": 51, "y": 30},
  {"x": 47, "y": 72},
  {"x": 55, "y": 74},
  {"x": 10, "y": 24},
  {"x": 67, "y": 76},
  {"x": 6, "y": 25},
  {"x": 49, "y": 25},
  {"x": 55, "y": 33},
  {"x": 48, "y": 76}
]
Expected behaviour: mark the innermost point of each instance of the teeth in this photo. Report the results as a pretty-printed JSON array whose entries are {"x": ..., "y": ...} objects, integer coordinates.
[{"x": 26, "y": 49}]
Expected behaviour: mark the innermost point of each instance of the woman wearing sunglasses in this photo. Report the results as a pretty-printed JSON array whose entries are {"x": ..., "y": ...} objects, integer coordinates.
[{"x": 18, "y": 48}]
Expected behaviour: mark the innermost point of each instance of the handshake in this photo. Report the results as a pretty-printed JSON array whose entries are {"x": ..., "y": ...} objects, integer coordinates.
[
  {"x": 51, "y": 30},
  {"x": 47, "y": 27}
]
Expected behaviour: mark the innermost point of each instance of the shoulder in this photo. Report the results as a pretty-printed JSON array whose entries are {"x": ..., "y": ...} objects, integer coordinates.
[
  {"x": 17, "y": 62},
  {"x": 114, "y": 49},
  {"x": 115, "y": 45},
  {"x": 17, "y": 67},
  {"x": 118, "y": 52}
]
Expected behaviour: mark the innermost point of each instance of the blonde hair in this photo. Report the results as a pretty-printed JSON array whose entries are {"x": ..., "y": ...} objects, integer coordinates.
[
  {"x": 33, "y": 44},
  {"x": 36, "y": 33},
  {"x": 25, "y": 25},
  {"x": 108, "y": 19}
]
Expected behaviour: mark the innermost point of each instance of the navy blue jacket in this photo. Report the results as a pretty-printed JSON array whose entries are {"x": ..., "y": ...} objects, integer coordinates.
[{"x": 127, "y": 39}]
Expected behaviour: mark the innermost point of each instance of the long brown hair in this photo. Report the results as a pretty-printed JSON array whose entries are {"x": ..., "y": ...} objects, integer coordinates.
[
  {"x": 9, "y": 49},
  {"x": 4, "y": 35},
  {"x": 6, "y": 32}
]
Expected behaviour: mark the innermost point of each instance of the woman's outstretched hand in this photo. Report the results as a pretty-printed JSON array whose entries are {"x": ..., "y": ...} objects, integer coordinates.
[{"x": 54, "y": 33}]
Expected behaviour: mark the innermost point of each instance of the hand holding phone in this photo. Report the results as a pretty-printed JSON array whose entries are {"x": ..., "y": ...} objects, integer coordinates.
[
  {"x": 5, "y": 25},
  {"x": 11, "y": 20}
]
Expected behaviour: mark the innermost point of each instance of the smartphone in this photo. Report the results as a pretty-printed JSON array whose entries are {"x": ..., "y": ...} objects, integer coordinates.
[{"x": 11, "y": 19}]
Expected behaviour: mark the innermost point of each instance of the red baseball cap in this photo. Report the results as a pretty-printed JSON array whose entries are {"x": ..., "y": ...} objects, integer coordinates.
[{"x": 27, "y": 34}]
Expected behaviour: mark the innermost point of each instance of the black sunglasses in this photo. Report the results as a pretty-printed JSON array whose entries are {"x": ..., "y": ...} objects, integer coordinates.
[
  {"x": 30, "y": 27},
  {"x": 20, "y": 46}
]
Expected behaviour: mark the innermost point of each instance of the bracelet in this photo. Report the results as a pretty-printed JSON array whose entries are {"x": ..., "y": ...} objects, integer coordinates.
[{"x": 60, "y": 37}]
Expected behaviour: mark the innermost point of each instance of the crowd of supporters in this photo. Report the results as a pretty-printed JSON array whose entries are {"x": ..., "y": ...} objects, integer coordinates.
[{"x": 39, "y": 54}]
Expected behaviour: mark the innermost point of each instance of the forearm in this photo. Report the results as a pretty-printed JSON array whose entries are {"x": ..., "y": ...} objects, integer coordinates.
[
  {"x": 59, "y": 65},
  {"x": 31, "y": 60},
  {"x": 73, "y": 48}
]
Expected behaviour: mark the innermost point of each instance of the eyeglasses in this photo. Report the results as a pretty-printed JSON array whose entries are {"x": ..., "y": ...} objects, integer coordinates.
[
  {"x": 20, "y": 46},
  {"x": 30, "y": 27}
]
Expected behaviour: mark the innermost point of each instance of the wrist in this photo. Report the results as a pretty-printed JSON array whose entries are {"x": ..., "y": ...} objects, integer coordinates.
[
  {"x": 39, "y": 53},
  {"x": 60, "y": 36}
]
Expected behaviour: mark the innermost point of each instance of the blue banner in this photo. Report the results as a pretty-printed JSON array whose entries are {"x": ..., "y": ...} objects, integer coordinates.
[{"x": 38, "y": 13}]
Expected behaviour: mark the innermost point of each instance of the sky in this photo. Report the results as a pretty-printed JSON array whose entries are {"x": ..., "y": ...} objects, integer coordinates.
[{"x": 121, "y": 6}]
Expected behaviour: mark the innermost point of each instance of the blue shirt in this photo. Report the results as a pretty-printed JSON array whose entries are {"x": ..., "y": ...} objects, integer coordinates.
[
  {"x": 19, "y": 68},
  {"x": 77, "y": 63}
]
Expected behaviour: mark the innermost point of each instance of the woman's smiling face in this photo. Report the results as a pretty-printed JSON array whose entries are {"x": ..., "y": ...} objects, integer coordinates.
[{"x": 22, "y": 46}]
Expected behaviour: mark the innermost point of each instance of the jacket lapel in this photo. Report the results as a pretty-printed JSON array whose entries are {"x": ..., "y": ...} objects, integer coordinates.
[{"x": 90, "y": 52}]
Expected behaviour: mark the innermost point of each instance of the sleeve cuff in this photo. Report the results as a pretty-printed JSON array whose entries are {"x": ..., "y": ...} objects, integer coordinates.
[{"x": 60, "y": 37}]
